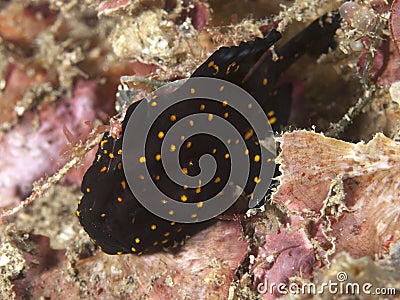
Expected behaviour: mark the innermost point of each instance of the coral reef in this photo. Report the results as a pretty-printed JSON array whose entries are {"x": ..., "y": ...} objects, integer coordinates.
[
  {"x": 335, "y": 206},
  {"x": 352, "y": 188}
]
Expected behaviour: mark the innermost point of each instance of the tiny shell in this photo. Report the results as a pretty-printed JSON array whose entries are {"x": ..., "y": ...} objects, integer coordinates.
[
  {"x": 311, "y": 162},
  {"x": 110, "y": 6}
]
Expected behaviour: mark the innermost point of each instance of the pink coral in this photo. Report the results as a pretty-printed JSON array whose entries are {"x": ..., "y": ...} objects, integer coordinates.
[
  {"x": 284, "y": 255},
  {"x": 29, "y": 153},
  {"x": 198, "y": 270},
  {"x": 354, "y": 187}
]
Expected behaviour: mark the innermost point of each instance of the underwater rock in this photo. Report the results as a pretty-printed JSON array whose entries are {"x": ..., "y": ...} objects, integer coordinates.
[{"x": 366, "y": 206}]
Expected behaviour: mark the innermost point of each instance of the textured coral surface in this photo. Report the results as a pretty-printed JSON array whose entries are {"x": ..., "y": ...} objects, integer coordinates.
[
  {"x": 335, "y": 207},
  {"x": 365, "y": 205}
]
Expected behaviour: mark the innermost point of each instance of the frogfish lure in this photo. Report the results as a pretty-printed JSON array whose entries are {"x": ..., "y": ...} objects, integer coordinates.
[{"x": 109, "y": 212}]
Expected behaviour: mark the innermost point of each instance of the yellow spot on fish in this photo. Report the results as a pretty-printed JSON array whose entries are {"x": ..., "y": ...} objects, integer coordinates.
[
  {"x": 160, "y": 135},
  {"x": 188, "y": 145},
  {"x": 103, "y": 169},
  {"x": 172, "y": 118},
  {"x": 172, "y": 148},
  {"x": 103, "y": 215},
  {"x": 119, "y": 199},
  {"x": 256, "y": 179},
  {"x": 137, "y": 240},
  {"x": 200, "y": 204},
  {"x": 273, "y": 120},
  {"x": 154, "y": 103},
  {"x": 192, "y": 91},
  {"x": 210, "y": 117},
  {"x": 123, "y": 184},
  {"x": 226, "y": 155},
  {"x": 248, "y": 134},
  {"x": 216, "y": 67},
  {"x": 257, "y": 158},
  {"x": 88, "y": 189},
  {"x": 102, "y": 143},
  {"x": 228, "y": 69},
  {"x": 265, "y": 81},
  {"x": 184, "y": 198},
  {"x": 217, "y": 180},
  {"x": 142, "y": 159},
  {"x": 158, "y": 157},
  {"x": 153, "y": 227}
]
